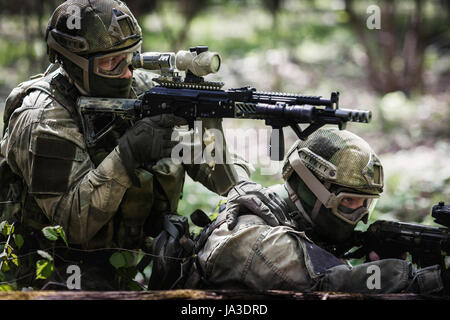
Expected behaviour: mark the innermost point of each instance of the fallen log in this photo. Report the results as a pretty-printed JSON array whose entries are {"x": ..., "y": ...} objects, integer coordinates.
[{"x": 208, "y": 295}]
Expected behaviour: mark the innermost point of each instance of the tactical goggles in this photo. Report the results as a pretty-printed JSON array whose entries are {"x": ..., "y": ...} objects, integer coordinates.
[
  {"x": 349, "y": 214},
  {"x": 335, "y": 201},
  {"x": 115, "y": 64}
]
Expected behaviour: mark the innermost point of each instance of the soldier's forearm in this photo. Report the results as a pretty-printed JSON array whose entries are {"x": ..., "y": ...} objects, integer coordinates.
[{"x": 382, "y": 276}]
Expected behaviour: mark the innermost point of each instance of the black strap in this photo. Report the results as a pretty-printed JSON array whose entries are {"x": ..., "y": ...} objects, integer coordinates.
[
  {"x": 67, "y": 95},
  {"x": 204, "y": 235}
]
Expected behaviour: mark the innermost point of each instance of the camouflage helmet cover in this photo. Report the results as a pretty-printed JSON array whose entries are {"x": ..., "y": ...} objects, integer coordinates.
[
  {"x": 85, "y": 27},
  {"x": 82, "y": 33},
  {"x": 339, "y": 157}
]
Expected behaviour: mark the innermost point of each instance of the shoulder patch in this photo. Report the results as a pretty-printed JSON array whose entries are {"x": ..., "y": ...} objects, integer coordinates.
[{"x": 52, "y": 164}]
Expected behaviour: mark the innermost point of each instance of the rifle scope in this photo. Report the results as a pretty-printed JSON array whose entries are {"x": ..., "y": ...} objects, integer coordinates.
[
  {"x": 154, "y": 60},
  {"x": 198, "y": 60}
]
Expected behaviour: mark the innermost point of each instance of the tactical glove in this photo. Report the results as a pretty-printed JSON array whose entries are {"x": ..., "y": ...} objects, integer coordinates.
[
  {"x": 147, "y": 141},
  {"x": 248, "y": 197}
]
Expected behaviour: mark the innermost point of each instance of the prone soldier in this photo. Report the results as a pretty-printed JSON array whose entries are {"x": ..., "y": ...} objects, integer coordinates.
[{"x": 332, "y": 181}]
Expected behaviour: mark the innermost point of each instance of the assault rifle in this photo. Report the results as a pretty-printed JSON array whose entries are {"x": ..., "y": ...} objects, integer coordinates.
[
  {"x": 427, "y": 245},
  {"x": 191, "y": 97}
]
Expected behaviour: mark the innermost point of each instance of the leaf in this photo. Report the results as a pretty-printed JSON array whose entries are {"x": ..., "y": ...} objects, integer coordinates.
[
  {"x": 9, "y": 249},
  {"x": 5, "y": 266},
  {"x": 54, "y": 232},
  {"x": 6, "y": 287},
  {"x": 14, "y": 259},
  {"x": 62, "y": 234},
  {"x": 18, "y": 240},
  {"x": 2, "y": 227},
  {"x": 117, "y": 260},
  {"x": 45, "y": 255},
  {"x": 44, "y": 269},
  {"x": 51, "y": 233},
  {"x": 6, "y": 228}
]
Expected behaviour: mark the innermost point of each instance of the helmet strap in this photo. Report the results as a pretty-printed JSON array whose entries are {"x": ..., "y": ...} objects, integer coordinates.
[
  {"x": 296, "y": 200},
  {"x": 314, "y": 184}
]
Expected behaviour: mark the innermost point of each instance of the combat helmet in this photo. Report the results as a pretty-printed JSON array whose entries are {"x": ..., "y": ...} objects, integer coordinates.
[
  {"x": 82, "y": 33},
  {"x": 329, "y": 166}
]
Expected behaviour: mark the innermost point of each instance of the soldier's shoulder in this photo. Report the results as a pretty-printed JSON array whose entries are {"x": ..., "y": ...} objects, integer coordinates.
[{"x": 37, "y": 105}]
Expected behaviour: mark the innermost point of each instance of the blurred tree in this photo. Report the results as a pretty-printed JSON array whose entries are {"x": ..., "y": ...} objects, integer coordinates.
[
  {"x": 273, "y": 6},
  {"x": 396, "y": 51}
]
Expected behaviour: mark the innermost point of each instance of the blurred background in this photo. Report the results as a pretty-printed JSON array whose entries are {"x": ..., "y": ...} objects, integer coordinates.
[{"x": 390, "y": 57}]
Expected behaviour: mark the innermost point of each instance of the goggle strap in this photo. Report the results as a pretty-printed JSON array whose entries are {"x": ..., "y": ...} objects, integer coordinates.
[
  {"x": 295, "y": 199},
  {"x": 78, "y": 60},
  {"x": 316, "y": 209},
  {"x": 308, "y": 177}
]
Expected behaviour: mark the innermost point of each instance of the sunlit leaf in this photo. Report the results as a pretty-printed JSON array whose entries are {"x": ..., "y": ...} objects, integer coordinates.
[
  {"x": 45, "y": 255},
  {"x": 5, "y": 266},
  {"x": 6, "y": 287},
  {"x": 51, "y": 233},
  {"x": 44, "y": 269}
]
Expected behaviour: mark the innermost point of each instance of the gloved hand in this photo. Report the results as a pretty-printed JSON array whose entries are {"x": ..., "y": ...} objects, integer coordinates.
[
  {"x": 248, "y": 197},
  {"x": 147, "y": 141}
]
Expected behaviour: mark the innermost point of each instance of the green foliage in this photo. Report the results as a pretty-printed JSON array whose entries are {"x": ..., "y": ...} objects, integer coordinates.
[
  {"x": 8, "y": 259},
  {"x": 126, "y": 272},
  {"x": 6, "y": 287},
  {"x": 6, "y": 229},
  {"x": 122, "y": 259},
  {"x": 18, "y": 240},
  {"x": 54, "y": 232},
  {"x": 44, "y": 267}
]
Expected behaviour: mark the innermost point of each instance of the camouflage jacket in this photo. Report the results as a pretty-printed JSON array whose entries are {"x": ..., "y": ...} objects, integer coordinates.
[
  {"x": 83, "y": 190},
  {"x": 257, "y": 256}
]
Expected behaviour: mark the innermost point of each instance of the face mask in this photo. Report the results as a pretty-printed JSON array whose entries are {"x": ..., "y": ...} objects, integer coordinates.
[
  {"x": 330, "y": 228},
  {"x": 109, "y": 87}
]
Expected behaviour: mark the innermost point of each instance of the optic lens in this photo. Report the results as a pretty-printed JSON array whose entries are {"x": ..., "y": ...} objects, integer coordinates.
[{"x": 215, "y": 63}]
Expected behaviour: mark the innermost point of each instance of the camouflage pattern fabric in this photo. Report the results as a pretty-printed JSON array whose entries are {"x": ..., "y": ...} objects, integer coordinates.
[
  {"x": 339, "y": 157},
  {"x": 44, "y": 145}
]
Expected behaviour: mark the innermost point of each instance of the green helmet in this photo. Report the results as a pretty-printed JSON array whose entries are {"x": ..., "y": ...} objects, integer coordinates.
[
  {"x": 94, "y": 40},
  {"x": 325, "y": 172}
]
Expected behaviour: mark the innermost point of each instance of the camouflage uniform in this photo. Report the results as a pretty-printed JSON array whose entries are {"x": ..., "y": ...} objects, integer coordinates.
[{"x": 259, "y": 256}]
